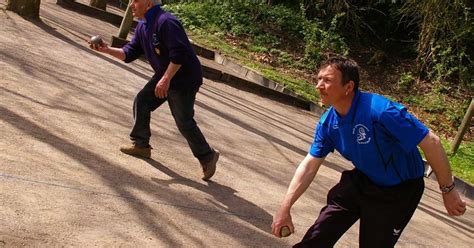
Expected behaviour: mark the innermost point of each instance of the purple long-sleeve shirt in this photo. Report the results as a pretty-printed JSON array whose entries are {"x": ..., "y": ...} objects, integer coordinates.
[{"x": 162, "y": 39}]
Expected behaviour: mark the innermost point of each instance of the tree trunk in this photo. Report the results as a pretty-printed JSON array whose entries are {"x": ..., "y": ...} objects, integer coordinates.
[
  {"x": 25, "y": 8},
  {"x": 100, "y": 4}
]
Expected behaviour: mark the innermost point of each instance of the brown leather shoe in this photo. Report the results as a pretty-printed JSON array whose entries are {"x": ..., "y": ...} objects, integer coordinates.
[
  {"x": 209, "y": 168},
  {"x": 133, "y": 150}
]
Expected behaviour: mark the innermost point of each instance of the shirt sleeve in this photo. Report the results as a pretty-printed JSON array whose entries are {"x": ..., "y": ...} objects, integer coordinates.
[
  {"x": 322, "y": 145},
  {"x": 408, "y": 130},
  {"x": 175, "y": 40},
  {"x": 133, "y": 50}
]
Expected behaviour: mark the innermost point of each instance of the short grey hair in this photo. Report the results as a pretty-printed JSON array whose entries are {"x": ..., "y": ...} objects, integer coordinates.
[{"x": 156, "y": 2}]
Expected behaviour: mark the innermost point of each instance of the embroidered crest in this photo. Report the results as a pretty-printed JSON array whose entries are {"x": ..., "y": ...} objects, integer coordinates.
[
  {"x": 361, "y": 133},
  {"x": 155, "y": 40},
  {"x": 156, "y": 43}
]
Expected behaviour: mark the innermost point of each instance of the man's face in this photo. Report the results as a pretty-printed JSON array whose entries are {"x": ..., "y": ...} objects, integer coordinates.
[
  {"x": 330, "y": 86},
  {"x": 140, "y": 7}
]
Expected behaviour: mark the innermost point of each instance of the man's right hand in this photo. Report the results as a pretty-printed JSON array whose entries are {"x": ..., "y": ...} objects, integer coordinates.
[
  {"x": 303, "y": 177},
  {"x": 282, "y": 218},
  {"x": 453, "y": 203},
  {"x": 102, "y": 47}
]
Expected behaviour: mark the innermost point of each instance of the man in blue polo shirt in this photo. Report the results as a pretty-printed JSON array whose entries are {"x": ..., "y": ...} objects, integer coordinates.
[
  {"x": 178, "y": 76},
  {"x": 380, "y": 138}
]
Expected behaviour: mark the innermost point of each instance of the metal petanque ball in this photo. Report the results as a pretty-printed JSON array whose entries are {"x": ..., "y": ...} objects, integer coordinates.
[
  {"x": 285, "y": 231},
  {"x": 96, "y": 40}
]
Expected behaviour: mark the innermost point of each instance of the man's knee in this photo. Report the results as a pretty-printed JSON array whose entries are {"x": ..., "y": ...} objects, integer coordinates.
[
  {"x": 141, "y": 97},
  {"x": 185, "y": 124}
]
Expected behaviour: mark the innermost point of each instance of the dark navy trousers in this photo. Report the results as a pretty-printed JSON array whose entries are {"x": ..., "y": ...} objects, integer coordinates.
[
  {"x": 181, "y": 103},
  {"x": 383, "y": 211}
]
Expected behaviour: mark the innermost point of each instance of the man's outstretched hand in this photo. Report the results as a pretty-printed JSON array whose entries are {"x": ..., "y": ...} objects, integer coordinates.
[{"x": 100, "y": 46}]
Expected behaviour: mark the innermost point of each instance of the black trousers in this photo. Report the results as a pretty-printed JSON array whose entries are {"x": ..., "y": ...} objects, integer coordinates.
[
  {"x": 181, "y": 103},
  {"x": 383, "y": 211}
]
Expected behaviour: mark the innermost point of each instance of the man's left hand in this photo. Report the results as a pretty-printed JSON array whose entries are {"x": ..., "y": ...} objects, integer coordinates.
[
  {"x": 453, "y": 203},
  {"x": 161, "y": 89}
]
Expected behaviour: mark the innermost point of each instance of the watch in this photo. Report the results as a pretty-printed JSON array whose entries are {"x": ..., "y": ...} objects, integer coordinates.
[{"x": 447, "y": 188}]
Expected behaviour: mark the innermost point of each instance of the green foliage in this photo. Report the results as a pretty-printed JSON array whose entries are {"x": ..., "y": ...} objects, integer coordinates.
[
  {"x": 299, "y": 87},
  {"x": 462, "y": 162},
  {"x": 352, "y": 14},
  {"x": 319, "y": 42},
  {"x": 275, "y": 27},
  {"x": 272, "y": 32},
  {"x": 456, "y": 113},
  {"x": 235, "y": 18},
  {"x": 267, "y": 40},
  {"x": 445, "y": 38},
  {"x": 283, "y": 57},
  {"x": 413, "y": 99},
  {"x": 435, "y": 104},
  {"x": 258, "y": 49},
  {"x": 443, "y": 31},
  {"x": 406, "y": 81}
]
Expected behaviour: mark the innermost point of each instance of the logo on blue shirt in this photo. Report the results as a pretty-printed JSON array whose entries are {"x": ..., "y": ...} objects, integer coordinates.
[{"x": 361, "y": 133}]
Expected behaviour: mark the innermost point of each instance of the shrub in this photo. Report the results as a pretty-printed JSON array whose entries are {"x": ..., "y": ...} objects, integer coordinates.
[
  {"x": 406, "y": 81},
  {"x": 320, "y": 42},
  {"x": 265, "y": 28},
  {"x": 445, "y": 38}
]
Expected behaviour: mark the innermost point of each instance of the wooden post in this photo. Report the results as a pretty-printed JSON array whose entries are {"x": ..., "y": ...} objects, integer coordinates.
[
  {"x": 25, "y": 8},
  {"x": 126, "y": 24},
  {"x": 465, "y": 124},
  {"x": 127, "y": 21},
  {"x": 100, "y": 4}
]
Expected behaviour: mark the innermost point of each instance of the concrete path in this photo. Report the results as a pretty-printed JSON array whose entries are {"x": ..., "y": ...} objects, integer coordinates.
[{"x": 65, "y": 110}]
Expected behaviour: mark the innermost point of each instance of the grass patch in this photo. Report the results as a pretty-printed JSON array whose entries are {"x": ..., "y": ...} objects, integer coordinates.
[
  {"x": 298, "y": 86},
  {"x": 462, "y": 162}
]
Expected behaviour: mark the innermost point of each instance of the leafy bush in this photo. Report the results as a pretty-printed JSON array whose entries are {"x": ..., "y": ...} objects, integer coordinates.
[
  {"x": 445, "y": 38},
  {"x": 279, "y": 34},
  {"x": 319, "y": 42},
  {"x": 406, "y": 81},
  {"x": 266, "y": 28},
  {"x": 283, "y": 57},
  {"x": 433, "y": 102}
]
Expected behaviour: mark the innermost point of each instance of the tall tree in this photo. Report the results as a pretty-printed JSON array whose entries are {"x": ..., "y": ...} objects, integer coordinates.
[
  {"x": 25, "y": 8},
  {"x": 100, "y": 4}
]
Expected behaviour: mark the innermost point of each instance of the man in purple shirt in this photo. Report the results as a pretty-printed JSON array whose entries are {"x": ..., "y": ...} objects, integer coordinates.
[{"x": 162, "y": 39}]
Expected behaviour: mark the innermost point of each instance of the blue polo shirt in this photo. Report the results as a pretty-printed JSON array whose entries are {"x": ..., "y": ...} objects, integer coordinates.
[
  {"x": 162, "y": 39},
  {"x": 377, "y": 135}
]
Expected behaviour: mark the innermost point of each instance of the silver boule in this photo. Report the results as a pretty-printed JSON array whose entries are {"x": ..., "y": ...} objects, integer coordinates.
[{"x": 96, "y": 40}]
